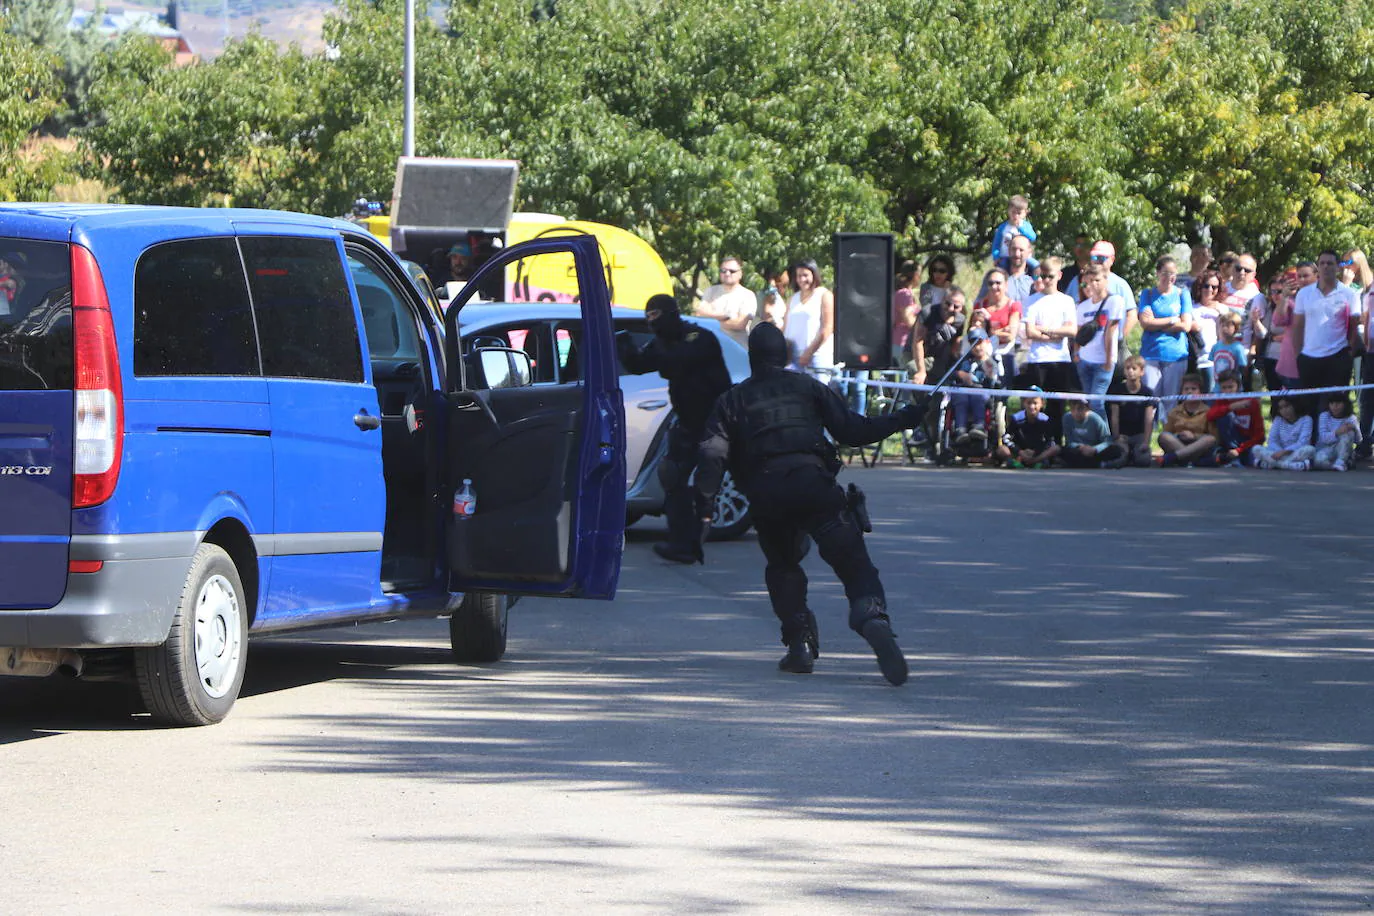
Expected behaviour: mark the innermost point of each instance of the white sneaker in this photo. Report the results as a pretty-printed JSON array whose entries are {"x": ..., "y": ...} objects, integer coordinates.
[{"x": 1338, "y": 466}]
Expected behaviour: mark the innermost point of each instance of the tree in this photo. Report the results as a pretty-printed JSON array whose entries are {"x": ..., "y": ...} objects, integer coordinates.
[
  {"x": 30, "y": 94},
  {"x": 46, "y": 24}
]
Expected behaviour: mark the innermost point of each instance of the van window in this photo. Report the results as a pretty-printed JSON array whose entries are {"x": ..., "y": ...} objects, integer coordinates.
[
  {"x": 191, "y": 311},
  {"x": 387, "y": 320},
  {"x": 304, "y": 312},
  {"x": 35, "y": 315}
]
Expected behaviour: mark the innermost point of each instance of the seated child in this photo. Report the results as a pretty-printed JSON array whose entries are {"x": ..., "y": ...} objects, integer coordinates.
[
  {"x": 1188, "y": 435},
  {"x": 1337, "y": 434},
  {"x": 1133, "y": 422},
  {"x": 1087, "y": 441},
  {"x": 1289, "y": 437},
  {"x": 980, "y": 370},
  {"x": 1239, "y": 422},
  {"x": 1030, "y": 437},
  {"x": 1228, "y": 353}
]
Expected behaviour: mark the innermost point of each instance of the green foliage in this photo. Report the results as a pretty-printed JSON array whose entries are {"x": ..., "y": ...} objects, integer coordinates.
[
  {"x": 43, "y": 23},
  {"x": 30, "y": 94},
  {"x": 763, "y": 126}
]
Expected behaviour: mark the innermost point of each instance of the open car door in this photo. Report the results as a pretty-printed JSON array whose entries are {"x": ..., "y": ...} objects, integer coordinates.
[{"x": 545, "y": 451}]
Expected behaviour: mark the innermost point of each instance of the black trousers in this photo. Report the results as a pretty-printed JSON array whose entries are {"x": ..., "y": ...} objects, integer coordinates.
[
  {"x": 1323, "y": 372},
  {"x": 679, "y": 497},
  {"x": 788, "y": 504}
]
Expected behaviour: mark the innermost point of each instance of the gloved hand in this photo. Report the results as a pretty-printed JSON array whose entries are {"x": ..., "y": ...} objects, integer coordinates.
[{"x": 911, "y": 415}]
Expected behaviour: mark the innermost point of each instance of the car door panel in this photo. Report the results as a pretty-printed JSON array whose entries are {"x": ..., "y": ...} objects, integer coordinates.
[{"x": 546, "y": 461}]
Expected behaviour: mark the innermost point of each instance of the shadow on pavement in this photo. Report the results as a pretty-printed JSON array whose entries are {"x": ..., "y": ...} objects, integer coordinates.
[{"x": 1125, "y": 686}]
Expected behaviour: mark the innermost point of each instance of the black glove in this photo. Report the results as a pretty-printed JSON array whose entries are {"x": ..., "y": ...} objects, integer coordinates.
[{"x": 911, "y": 415}]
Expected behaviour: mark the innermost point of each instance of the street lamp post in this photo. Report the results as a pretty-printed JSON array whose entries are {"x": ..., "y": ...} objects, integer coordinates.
[{"x": 408, "y": 128}]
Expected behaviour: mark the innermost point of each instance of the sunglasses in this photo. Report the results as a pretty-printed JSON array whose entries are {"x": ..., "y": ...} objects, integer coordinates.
[
  {"x": 995, "y": 283},
  {"x": 727, "y": 270},
  {"x": 1048, "y": 276},
  {"x": 1241, "y": 269},
  {"x": 1099, "y": 259},
  {"x": 937, "y": 269},
  {"x": 1211, "y": 286},
  {"x": 1350, "y": 263}
]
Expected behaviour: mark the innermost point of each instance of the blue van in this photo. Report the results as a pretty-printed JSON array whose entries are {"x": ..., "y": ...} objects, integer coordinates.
[{"x": 218, "y": 423}]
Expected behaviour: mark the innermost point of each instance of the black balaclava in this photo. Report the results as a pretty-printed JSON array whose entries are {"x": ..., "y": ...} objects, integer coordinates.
[
  {"x": 668, "y": 324},
  {"x": 767, "y": 347}
]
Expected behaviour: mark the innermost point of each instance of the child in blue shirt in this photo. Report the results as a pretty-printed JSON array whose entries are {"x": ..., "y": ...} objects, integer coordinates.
[
  {"x": 1016, "y": 224},
  {"x": 1228, "y": 354}
]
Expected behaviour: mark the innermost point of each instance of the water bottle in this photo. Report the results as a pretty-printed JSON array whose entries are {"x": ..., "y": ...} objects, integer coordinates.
[{"x": 464, "y": 500}]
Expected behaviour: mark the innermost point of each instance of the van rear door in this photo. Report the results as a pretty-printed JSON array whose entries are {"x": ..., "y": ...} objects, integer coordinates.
[
  {"x": 547, "y": 461},
  {"x": 37, "y": 417}
]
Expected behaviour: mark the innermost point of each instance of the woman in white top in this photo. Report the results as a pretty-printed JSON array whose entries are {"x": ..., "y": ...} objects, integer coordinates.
[{"x": 810, "y": 323}]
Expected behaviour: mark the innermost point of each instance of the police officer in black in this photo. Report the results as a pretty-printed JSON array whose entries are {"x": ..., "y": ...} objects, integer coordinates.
[
  {"x": 689, "y": 358},
  {"x": 770, "y": 430}
]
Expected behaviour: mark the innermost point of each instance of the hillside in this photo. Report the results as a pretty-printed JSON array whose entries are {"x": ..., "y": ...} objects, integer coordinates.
[{"x": 206, "y": 26}]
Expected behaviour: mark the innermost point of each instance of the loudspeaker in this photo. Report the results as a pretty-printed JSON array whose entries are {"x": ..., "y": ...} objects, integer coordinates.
[{"x": 863, "y": 300}]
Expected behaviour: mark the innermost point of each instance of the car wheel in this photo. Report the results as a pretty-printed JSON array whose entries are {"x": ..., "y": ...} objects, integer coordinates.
[
  {"x": 477, "y": 630},
  {"x": 730, "y": 515},
  {"x": 195, "y": 676}
]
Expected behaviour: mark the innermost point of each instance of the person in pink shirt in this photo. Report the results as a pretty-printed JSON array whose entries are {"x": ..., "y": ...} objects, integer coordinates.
[{"x": 906, "y": 309}]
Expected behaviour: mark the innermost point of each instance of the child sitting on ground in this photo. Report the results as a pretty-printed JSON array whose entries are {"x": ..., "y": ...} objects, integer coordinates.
[
  {"x": 1133, "y": 422},
  {"x": 1188, "y": 435},
  {"x": 1239, "y": 423},
  {"x": 1337, "y": 434},
  {"x": 1289, "y": 441},
  {"x": 1228, "y": 353},
  {"x": 1087, "y": 441},
  {"x": 980, "y": 370},
  {"x": 1029, "y": 442}
]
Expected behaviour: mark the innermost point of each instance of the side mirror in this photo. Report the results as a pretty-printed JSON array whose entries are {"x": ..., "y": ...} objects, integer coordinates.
[{"x": 499, "y": 367}]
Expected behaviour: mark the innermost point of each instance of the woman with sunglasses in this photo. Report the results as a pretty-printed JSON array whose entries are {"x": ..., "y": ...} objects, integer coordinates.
[
  {"x": 1355, "y": 271},
  {"x": 1166, "y": 317},
  {"x": 940, "y": 270},
  {"x": 1207, "y": 309},
  {"x": 1273, "y": 319},
  {"x": 1002, "y": 320}
]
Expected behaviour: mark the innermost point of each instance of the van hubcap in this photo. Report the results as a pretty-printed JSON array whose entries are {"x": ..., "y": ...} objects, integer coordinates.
[{"x": 219, "y": 635}]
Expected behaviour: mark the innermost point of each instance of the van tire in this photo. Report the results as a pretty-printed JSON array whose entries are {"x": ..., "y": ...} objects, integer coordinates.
[
  {"x": 477, "y": 630},
  {"x": 171, "y": 679}
]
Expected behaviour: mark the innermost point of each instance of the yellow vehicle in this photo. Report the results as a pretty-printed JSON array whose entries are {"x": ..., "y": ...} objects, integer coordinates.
[{"x": 634, "y": 270}]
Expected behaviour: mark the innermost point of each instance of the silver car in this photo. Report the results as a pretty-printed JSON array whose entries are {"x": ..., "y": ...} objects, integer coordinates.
[{"x": 549, "y": 331}]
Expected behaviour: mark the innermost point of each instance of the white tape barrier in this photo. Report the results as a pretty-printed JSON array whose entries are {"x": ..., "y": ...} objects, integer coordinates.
[{"x": 1075, "y": 395}]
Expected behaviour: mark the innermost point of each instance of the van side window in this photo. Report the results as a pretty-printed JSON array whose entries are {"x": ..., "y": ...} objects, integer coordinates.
[
  {"x": 304, "y": 311},
  {"x": 191, "y": 311},
  {"x": 387, "y": 321}
]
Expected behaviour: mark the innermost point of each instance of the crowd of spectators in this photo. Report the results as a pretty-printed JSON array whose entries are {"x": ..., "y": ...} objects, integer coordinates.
[{"x": 1069, "y": 326}]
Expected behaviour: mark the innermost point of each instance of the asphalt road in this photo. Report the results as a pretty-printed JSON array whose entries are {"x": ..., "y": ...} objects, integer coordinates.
[{"x": 1132, "y": 692}]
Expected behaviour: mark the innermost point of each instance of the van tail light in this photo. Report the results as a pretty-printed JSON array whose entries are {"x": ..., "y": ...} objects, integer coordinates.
[{"x": 99, "y": 393}]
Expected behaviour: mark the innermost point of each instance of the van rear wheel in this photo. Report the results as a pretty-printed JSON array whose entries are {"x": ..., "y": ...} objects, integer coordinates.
[
  {"x": 195, "y": 676},
  {"x": 477, "y": 630}
]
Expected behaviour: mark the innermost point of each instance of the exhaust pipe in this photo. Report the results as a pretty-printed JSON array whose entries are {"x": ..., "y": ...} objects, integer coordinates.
[{"x": 18, "y": 662}]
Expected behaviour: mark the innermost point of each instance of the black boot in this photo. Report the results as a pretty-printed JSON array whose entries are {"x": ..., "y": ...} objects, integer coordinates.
[
  {"x": 798, "y": 659},
  {"x": 868, "y": 616}
]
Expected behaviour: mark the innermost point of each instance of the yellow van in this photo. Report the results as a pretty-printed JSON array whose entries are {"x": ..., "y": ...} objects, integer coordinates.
[{"x": 634, "y": 271}]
